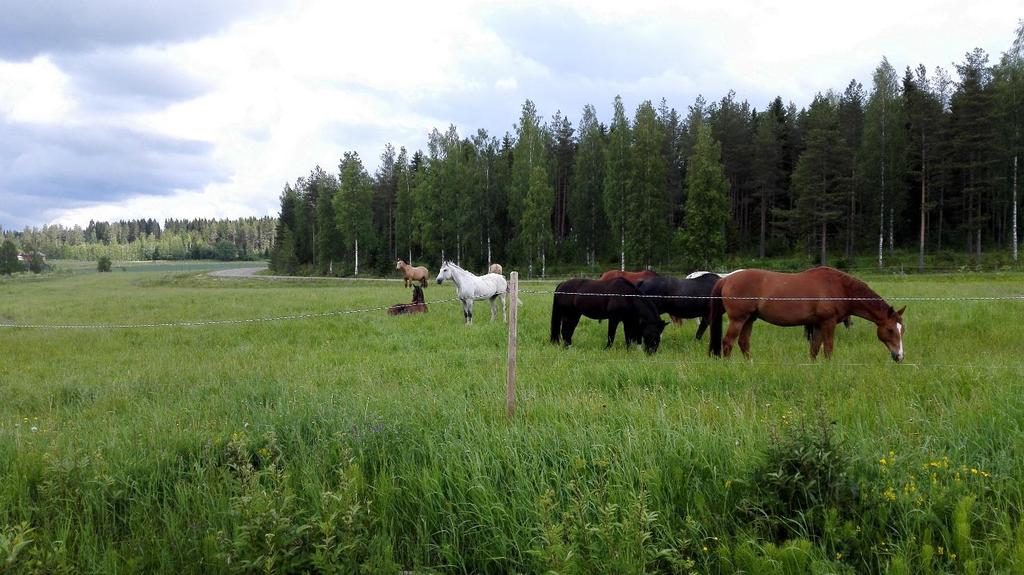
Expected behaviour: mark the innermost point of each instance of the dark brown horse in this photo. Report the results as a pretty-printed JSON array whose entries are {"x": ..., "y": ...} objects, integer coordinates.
[
  {"x": 616, "y": 300},
  {"x": 418, "y": 305},
  {"x": 682, "y": 298},
  {"x": 632, "y": 277},
  {"x": 820, "y": 297}
]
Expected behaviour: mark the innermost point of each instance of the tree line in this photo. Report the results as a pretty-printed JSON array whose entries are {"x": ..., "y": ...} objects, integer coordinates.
[
  {"x": 920, "y": 161},
  {"x": 145, "y": 239}
]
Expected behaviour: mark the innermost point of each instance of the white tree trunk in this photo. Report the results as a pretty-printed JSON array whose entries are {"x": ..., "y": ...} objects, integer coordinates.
[
  {"x": 924, "y": 199},
  {"x": 622, "y": 249},
  {"x": 357, "y": 256},
  {"x": 543, "y": 264},
  {"x": 881, "y": 215},
  {"x": 892, "y": 224},
  {"x": 1015, "y": 208}
]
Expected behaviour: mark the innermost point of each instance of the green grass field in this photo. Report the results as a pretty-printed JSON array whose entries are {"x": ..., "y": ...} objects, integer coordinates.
[{"x": 365, "y": 443}]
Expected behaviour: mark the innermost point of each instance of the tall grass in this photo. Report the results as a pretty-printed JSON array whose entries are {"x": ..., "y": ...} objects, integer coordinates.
[{"x": 368, "y": 443}]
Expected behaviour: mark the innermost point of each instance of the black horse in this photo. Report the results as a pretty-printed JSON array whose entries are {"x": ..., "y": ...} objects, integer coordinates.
[
  {"x": 614, "y": 300},
  {"x": 693, "y": 296}
]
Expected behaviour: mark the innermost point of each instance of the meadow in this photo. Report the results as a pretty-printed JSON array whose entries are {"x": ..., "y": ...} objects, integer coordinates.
[{"x": 365, "y": 443}]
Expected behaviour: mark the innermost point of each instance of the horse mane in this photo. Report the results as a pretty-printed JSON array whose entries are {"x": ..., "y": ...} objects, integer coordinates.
[{"x": 853, "y": 286}]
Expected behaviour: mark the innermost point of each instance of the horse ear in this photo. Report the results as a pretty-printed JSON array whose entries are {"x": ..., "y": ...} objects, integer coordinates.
[
  {"x": 891, "y": 312},
  {"x": 901, "y": 310}
]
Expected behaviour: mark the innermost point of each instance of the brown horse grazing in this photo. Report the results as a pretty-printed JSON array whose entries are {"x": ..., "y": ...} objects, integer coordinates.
[
  {"x": 494, "y": 269},
  {"x": 412, "y": 274},
  {"x": 632, "y": 277},
  {"x": 418, "y": 305},
  {"x": 803, "y": 298}
]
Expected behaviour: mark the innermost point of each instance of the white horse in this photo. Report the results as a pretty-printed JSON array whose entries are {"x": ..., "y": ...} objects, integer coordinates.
[
  {"x": 471, "y": 287},
  {"x": 696, "y": 275}
]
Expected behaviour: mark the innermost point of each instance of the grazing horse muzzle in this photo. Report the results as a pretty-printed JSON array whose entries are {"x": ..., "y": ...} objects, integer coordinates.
[{"x": 897, "y": 356}]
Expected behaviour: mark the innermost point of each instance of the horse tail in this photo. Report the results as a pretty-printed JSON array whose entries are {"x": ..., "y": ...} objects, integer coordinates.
[
  {"x": 715, "y": 311},
  {"x": 556, "y": 320}
]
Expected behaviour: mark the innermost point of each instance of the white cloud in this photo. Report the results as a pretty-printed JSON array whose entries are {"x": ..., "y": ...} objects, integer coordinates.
[
  {"x": 286, "y": 90},
  {"x": 34, "y": 91}
]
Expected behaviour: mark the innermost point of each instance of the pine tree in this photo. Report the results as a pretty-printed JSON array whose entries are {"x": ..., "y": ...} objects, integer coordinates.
[
  {"x": 882, "y": 152},
  {"x": 329, "y": 246},
  {"x": 923, "y": 117},
  {"x": 647, "y": 224},
  {"x": 707, "y": 202},
  {"x": 817, "y": 180},
  {"x": 851, "y": 130},
  {"x": 404, "y": 206},
  {"x": 1009, "y": 88},
  {"x": 974, "y": 143},
  {"x": 535, "y": 227},
  {"x": 9, "y": 263},
  {"x": 586, "y": 212},
  {"x": 767, "y": 171},
  {"x": 529, "y": 152},
  {"x": 730, "y": 125},
  {"x": 563, "y": 158},
  {"x": 352, "y": 207},
  {"x": 618, "y": 177}
]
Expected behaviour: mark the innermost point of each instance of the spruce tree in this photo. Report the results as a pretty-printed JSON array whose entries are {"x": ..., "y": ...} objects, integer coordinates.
[{"x": 707, "y": 203}]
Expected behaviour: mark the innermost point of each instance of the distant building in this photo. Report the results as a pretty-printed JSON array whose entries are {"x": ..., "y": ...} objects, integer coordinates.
[{"x": 27, "y": 256}]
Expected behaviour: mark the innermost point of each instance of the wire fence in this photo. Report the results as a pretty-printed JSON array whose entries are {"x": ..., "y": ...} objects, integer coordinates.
[
  {"x": 332, "y": 313},
  {"x": 1008, "y": 297}
]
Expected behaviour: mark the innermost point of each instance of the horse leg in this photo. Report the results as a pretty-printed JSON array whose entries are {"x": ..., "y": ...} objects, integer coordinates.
[
  {"x": 613, "y": 326},
  {"x": 744, "y": 342},
  {"x": 731, "y": 334},
  {"x": 828, "y": 332},
  {"x": 628, "y": 333},
  {"x": 494, "y": 306},
  {"x": 467, "y": 311},
  {"x": 569, "y": 322},
  {"x": 815, "y": 341},
  {"x": 702, "y": 327}
]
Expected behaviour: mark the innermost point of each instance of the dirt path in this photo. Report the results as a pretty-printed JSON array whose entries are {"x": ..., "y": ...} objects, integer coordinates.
[
  {"x": 255, "y": 273},
  {"x": 237, "y": 272}
]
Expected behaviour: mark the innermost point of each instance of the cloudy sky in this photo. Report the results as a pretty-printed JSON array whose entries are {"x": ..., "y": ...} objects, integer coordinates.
[{"x": 114, "y": 109}]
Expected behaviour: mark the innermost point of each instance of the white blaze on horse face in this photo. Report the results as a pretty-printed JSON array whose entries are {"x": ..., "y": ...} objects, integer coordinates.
[{"x": 899, "y": 330}]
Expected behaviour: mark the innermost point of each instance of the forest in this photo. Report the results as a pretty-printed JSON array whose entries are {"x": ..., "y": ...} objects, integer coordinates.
[
  {"x": 920, "y": 162},
  {"x": 223, "y": 239}
]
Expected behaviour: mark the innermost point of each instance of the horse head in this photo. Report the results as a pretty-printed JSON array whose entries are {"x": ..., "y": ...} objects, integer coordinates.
[
  {"x": 651, "y": 333},
  {"x": 445, "y": 273},
  {"x": 399, "y": 264},
  {"x": 890, "y": 332}
]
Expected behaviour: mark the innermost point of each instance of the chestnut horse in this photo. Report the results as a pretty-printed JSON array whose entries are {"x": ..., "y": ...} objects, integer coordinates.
[
  {"x": 631, "y": 277},
  {"x": 820, "y": 297},
  {"x": 413, "y": 274},
  {"x": 418, "y": 305}
]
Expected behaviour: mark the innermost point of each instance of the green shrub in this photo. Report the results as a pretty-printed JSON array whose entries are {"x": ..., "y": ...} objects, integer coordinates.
[
  {"x": 103, "y": 264},
  {"x": 803, "y": 482}
]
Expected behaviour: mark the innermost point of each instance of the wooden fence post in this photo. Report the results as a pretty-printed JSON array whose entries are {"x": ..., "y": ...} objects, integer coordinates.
[{"x": 513, "y": 324}]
